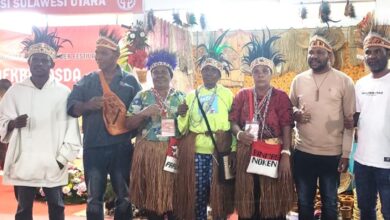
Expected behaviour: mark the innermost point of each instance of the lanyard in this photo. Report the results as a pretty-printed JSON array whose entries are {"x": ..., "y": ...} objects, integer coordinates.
[{"x": 162, "y": 102}]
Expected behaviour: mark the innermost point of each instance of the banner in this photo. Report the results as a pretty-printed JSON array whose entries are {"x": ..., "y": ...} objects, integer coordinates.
[
  {"x": 76, "y": 61},
  {"x": 73, "y": 6}
]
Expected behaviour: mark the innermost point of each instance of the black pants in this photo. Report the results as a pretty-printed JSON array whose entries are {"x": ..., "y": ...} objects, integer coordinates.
[
  {"x": 26, "y": 195},
  {"x": 100, "y": 161},
  {"x": 308, "y": 169}
]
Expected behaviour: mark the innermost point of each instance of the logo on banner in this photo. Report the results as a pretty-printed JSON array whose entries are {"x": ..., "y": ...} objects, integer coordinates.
[{"x": 126, "y": 4}]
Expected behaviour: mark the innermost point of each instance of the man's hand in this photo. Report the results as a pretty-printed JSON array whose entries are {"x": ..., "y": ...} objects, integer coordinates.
[
  {"x": 343, "y": 165},
  {"x": 182, "y": 109},
  {"x": 284, "y": 171},
  {"x": 302, "y": 116},
  {"x": 18, "y": 122},
  {"x": 348, "y": 122},
  {"x": 246, "y": 137},
  {"x": 94, "y": 103}
]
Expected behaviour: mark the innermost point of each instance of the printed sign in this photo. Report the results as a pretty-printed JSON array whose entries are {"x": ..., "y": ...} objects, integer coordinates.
[{"x": 73, "y": 6}]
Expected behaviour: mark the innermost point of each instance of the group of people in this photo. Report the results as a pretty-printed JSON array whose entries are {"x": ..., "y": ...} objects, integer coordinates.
[{"x": 173, "y": 171}]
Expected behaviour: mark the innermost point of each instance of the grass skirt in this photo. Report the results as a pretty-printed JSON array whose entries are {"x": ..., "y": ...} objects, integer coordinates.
[
  {"x": 276, "y": 196},
  {"x": 221, "y": 196},
  {"x": 151, "y": 187}
]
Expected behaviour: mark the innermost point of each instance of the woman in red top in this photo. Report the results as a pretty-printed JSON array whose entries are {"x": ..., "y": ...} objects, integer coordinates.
[{"x": 262, "y": 115}]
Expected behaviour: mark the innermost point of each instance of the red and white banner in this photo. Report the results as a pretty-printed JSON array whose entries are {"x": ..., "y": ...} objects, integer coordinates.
[
  {"x": 76, "y": 61},
  {"x": 73, "y": 6}
]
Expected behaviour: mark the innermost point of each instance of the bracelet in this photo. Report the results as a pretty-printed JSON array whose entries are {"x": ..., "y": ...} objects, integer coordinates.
[
  {"x": 286, "y": 152},
  {"x": 238, "y": 133}
]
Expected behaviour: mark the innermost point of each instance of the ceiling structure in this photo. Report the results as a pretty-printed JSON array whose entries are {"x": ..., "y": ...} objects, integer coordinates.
[{"x": 220, "y": 14}]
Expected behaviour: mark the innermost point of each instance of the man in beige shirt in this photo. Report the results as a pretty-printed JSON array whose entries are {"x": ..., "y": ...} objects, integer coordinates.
[{"x": 323, "y": 99}]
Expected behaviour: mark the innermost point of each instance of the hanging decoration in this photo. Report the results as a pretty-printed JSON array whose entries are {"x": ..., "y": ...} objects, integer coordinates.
[
  {"x": 349, "y": 10},
  {"x": 191, "y": 20},
  {"x": 176, "y": 19},
  {"x": 303, "y": 12},
  {"x": 150, "y": 21},
  {"x": 325, "y": 13},
  {"x": 202, "y": 21}
]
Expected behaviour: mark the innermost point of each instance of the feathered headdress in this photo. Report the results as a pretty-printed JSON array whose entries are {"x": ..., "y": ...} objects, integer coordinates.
[
  {"x": 108, "y": 39},
  {"x": 322, "y": 38},
  {"x": 161, "y": 58},
  {"x": 213, "y": 54},
  {"x": 376, "y": 34},
  {"x": 262, "y": 52},
  {"x": 43, "y": 42}
]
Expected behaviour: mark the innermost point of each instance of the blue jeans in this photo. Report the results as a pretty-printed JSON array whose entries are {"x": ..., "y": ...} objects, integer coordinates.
[
  {"x": 25, "y": 196},
  {"x": 309, "y": 168},
  {"x": 370, "y": 181},
  {"x": 114, "y": 160}
]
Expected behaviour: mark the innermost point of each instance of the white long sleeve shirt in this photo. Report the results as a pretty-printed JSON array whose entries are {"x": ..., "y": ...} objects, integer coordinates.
[{"x": 50, "y": 135}]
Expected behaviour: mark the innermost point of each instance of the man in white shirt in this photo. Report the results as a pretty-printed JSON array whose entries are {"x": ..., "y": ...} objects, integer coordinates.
[
  {"x": 42, "y": 137},
  {"x": 372, "y": 157}
]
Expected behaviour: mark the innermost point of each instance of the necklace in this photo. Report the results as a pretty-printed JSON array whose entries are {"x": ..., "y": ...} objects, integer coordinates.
[
  {"x": 162, "y": 102},
  {"x": 262, "y": 106},
  {"x": 318, "y": 87}
]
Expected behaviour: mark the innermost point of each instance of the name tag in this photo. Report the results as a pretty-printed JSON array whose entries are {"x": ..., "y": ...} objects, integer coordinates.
[{"x": 167, "y": 127}]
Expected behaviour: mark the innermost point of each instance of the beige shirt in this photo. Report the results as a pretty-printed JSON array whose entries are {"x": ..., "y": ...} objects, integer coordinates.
[{"x": 325, "y": 133}]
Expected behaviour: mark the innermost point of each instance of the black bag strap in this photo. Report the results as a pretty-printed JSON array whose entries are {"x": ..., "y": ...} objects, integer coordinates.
[{"x": 207, "y": 121}]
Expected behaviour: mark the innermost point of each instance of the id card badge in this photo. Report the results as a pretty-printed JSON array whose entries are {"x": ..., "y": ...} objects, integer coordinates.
[
  {"x": 167, "y": 127},
  {"x": 253, "y": 127}
]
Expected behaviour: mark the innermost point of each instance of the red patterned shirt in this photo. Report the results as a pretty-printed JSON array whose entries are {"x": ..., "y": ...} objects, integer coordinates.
[{"x": 279, "y": 111}]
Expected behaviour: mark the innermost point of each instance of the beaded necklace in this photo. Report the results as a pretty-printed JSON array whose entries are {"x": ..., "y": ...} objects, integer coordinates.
[
  {"x": 262, "y": 106},
  {"x": 162, "y": 102}
]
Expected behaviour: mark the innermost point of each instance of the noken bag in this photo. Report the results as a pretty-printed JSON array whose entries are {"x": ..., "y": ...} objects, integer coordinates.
[
  {"x": 170, "y": 164},
  {"x": 114, "y": 111},
  {"x": 264, "y": 159}
]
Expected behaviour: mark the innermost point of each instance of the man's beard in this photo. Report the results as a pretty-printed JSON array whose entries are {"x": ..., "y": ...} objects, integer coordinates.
[
  {"x": 378, "y": 66},
  {"x": 321, "y": 66}
]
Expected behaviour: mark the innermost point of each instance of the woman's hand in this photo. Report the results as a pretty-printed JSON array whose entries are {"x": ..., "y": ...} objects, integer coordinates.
[
  {"x": 182, "y": 109},
  {"x": 284, "y": 171},
  {"x": 245, "y": 137},
  {"x": 233, "y": 161},
  {"x": 150, "y": 111}
]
